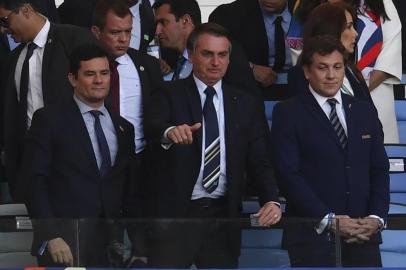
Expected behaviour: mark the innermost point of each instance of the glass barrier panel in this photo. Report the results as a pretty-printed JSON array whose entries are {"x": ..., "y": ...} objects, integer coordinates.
[{"x": 201, "y": 243}]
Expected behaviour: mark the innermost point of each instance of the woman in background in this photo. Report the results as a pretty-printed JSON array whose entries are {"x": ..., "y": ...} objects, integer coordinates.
[
  {"x": 335, "y": 20},
  {"x": 379, "y": 57}
]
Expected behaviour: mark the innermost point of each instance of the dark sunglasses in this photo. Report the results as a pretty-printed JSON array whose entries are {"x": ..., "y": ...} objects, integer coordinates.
[{"x": 4, "y": 20}]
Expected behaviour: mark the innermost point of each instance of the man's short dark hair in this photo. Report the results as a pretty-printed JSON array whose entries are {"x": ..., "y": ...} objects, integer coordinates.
[
  {"x": 14, "y": 5},
  {"x": 84, "y": 52},
  {"x": 180, "y": 8},
  {"x": 322, "y": 45},
  {"x": 118, "y": 7},
  {"x": 213, "y": 29}
]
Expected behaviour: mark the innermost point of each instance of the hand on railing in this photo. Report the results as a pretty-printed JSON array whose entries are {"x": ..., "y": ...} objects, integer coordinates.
[{"x": 60, "y": 251}]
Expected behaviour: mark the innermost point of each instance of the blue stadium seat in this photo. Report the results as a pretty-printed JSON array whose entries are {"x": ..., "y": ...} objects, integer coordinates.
[
  {"x": 400, "y": 109},
  {"x": 393, "y": 248},
  {"x": 269, "y": 104}
]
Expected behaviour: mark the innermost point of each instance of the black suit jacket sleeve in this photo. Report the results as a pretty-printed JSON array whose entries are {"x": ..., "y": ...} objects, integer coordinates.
[
  {"x": 259, "y": 161},
  {"x": 38, "y": 151}
]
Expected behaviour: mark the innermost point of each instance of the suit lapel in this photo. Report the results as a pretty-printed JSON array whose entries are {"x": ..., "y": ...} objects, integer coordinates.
[
  {"x": 231, "y": 116},
  {"x": 317, "y": 112},
  {"x": 147, "y": 18},
  {"x": 120, "y": 138},
  {"x": 80, "y": 131},
  {"x": 349, "y": 119},
  {"x": 46, "y": 59},
  {"x": 195, "y": 107},
  {"x": 142, "y": 73}
]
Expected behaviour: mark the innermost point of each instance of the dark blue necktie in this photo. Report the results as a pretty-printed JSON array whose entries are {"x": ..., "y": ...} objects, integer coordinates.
[
  {"x": 211, "y": 171},
  {"x": 24, "y": 82},
  {"x": 338, "y": 128},
  {"x": 280, "y": 56},
  {"x": 179, "y": 65},
  {"x": 102, "y": 142}
]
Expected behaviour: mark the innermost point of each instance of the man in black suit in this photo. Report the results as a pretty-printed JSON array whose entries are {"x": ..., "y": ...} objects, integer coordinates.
[
  {"x": 175, "y": 20},
  {"x": 135, "y": 77},
  {"x": 80, "y": 12},
  {"x": 37, "y": 81},
  {"x": 78, "y": 163},
  {"x": 271, "y": 20},
  {"x": 202, "y": 118}
]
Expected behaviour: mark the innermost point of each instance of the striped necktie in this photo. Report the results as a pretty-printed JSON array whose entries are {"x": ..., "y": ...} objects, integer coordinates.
[
  {"x": 338, "y": 128},
  {"x": 211, "y": 171}
]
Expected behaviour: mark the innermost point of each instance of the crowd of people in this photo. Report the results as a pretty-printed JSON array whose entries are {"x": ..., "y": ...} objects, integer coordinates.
[{"x": 94, "y": 126}]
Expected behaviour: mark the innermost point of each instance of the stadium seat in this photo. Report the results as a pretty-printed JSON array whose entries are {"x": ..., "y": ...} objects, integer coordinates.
[
  {"x": 393, "y": 248},
  {"x": 400, "y": 109},
  {"x": 15, "y": 241}
]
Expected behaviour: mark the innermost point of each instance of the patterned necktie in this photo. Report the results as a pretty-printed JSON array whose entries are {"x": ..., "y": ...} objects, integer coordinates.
[
  {"x": 338, "y": 128},
  {"x": 102, "y": 142},
  {"x": 24, "y": 82},
  {"x": 179, "y": 65},
  {"x": 280, "y": 56},
  {"x": 115, "y": 88},
  {"x": 211, "y": 171}
]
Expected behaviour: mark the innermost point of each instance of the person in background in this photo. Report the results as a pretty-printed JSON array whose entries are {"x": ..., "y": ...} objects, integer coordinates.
[
  {"x": 336, "y": 20},
  {"x": 36, "y": 74},
  {"x": 135, "y": 76},
  {"x": 379, "y": 57}
]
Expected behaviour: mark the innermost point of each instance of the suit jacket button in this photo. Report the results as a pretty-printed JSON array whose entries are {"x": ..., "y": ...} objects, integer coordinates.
[
  {"x": 348, "y": 167},
  {"x": 347, "y": 193}
]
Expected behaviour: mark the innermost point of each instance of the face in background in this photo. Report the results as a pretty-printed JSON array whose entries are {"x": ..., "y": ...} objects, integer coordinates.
[
  {"x": 210, "y": 58},
  {"x": 116, "y": 35},
  {"x": 326, "y": 73},
  {"x": 18, "y": 22},
  {"x": 349, "y": 35},
  {"x": 92, "y": 83},
  {"x": 273, "y": 6},
  {"x": 171, "y": 33}
]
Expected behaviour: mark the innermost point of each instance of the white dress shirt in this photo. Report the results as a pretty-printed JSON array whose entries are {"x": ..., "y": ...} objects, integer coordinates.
[
  {"x": 35, "y": 99},
  {"x": 325, "y": 106},
  {"x": 107, "y": 127},
  {"x": 131, "y": 98},
  {"x": 198, "y": 190},
  {"x": 136, "y": 31}
]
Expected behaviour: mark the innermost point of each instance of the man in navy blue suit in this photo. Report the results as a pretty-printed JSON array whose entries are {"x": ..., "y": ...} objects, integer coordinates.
[
  {"x": 78, "y": 164},
  {"x": 331, "y": 165},
  {"x": 206, "y": 134}
]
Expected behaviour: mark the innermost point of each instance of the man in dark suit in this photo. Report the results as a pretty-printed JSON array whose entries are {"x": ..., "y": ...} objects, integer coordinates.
[
  {"x": 175, "y": 20},
  {"x": 80, "y": 12},
  {"x": 135, "y": 77},
  {"x": 37, "y": 81},
  {"x": 331, "y": 165},
  {"x": 78, "y": 163},
  {"x": 202, "y": 118},
  {"x": 265, "y": 54}
]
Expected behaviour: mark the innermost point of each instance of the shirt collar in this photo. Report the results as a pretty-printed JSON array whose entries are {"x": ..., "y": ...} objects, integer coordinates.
[
  {"x": 321, "y": 100},
  {"x": 185, "y": 54},
  {"x": 272, "y": 16},
  {"x": 201, "y": 86},
  {"x": 84, "y": 108},
  {"x": 135, "y": 8},
  {"x": 41, "y": 39},
  {"x": 123, "y": 60}
]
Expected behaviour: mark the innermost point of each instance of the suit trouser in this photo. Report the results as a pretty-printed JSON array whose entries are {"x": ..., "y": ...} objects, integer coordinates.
[{"x": 199, "y": 240}]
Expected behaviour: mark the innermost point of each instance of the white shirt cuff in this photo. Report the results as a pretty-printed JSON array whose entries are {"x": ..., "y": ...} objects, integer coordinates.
[{"x": 166, "y": 143}]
